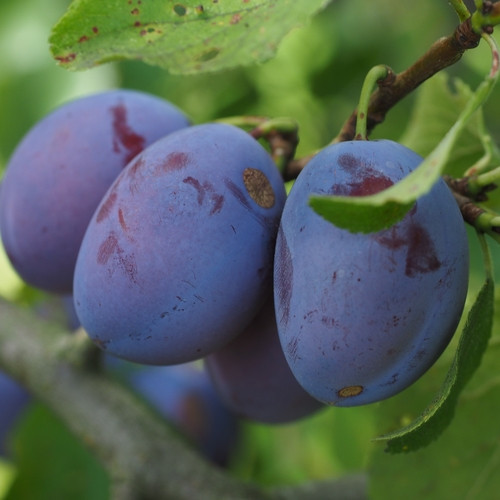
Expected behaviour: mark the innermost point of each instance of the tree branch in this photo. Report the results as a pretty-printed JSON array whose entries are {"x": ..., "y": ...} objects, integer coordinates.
[{"x": 145, "y": 458}]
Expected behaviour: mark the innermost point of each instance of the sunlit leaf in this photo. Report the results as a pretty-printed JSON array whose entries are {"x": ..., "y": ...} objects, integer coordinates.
[{"x": 187, "y": 36}]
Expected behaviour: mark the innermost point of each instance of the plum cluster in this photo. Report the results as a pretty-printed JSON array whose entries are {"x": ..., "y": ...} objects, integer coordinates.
[{"x": 178, "y": 243}]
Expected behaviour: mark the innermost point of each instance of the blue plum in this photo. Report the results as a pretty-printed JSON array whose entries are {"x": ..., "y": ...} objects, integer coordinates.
[
  {"x": 13, "y": 402},
  {"x": 62, "y": 168},
  {"x": 253, "y": 378},
  {"x": 363, "y": 316},
  {"x": 184, "y": 395},
  {"x": 178, "y": 257}
]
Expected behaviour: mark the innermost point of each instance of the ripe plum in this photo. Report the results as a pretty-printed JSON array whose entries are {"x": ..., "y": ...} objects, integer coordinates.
[
  {"x": 178, "y": 257},
  {"x": 253, "y": 378},
  {"x": 362, "y": 316},
  {"x": 61, "y": 169}
]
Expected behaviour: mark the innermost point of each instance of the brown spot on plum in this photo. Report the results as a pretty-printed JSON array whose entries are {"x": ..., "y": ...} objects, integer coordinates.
[
  {"x": 199, "y": 188},
  {"x": 106, "y": 207},
  {"x": 123, "y": 135},
  {"x": 371, "y": 183},
  {"x": 129, "y": 266},
  {"x": 173, "y": 161},
  {"x": 107, "y": 248},
  {"x": 421, "y": 256},
  {"x": 350, "y": 391},
  {"x": 284, "y": 276},
  {"x": 391, "y": 238},
  {"x": 121, "y": 220},
  {"x": 328, "y": 321},
  {"x": 367, "y": 181},
  {"x": 259, "y": 187},
  {"x": 134, "y": 167}
]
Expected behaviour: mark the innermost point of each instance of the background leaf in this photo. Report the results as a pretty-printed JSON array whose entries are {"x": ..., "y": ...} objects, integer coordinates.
[
  {"x": 188, "y": 36},
  {"x": 437, "y": 416},
  {"x": 463, "y": 463},
  {"x": 53, "y": 463}
]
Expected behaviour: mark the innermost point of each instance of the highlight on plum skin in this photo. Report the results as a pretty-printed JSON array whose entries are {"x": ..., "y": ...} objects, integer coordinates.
[
  {"x": 60, "y": 170},
  {"x": 363, "y": 316},
  {"x": 178, "y": 257}
]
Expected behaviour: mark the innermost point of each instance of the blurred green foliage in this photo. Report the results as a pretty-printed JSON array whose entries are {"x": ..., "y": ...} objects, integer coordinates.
[{"x": 315, "y": 79}]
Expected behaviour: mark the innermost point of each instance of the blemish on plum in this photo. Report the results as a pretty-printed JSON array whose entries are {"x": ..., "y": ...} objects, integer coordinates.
[
  {"x": 350, "y": 391},
  {"x": 123, "y": 135},
  {"x": 259, "y": 187},
  {"x": 292, "y": 348},
  {"x": 174, "y": 161},
  {"x": 283, "y": 276},
  {"x": 241, "y": 198},
  {"x": 107, "y": 248},
  {"x": 106, "y": 207},
  {"x": 421, "y": 256},
  {"x": 121, "y": 220},
  {"x": 129, "y": 266},
  {"x": 216, "y": 199}
]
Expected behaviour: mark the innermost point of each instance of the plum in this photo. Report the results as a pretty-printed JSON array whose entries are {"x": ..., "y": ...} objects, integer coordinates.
[
  {"x": 61, "y": 169},
  {"x": 363, "y": 316},
  {"x": 178, "y": 257}
]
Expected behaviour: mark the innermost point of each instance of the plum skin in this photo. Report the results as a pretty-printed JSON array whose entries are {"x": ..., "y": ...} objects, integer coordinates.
[
  {"x": 363, "y": 316},
  {"x": 178, "y": 257},
  {"x": 60, "y": 170},
  {"x": 253, "y": 378}
]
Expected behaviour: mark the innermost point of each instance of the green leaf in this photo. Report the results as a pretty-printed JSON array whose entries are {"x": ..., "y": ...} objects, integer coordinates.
[
  {"x": 51, "y": 463},
  {"x": 382, "y": 210},
  {"x": 186, "y": 36},
  {"x": 437, "y": 107},
  {"x": 436, "y": 417}
]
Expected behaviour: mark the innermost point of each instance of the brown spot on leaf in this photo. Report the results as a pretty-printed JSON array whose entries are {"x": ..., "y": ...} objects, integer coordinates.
[
  {"x": 235, "y": 19},
  {"x": 83, "y": 38},
  {"x": 135, "y": 12},
  {"x": 66, "y": 59}
]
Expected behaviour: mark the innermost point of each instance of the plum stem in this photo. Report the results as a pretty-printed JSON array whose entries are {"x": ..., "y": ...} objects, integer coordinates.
[{"x": 378, "y": 75}]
